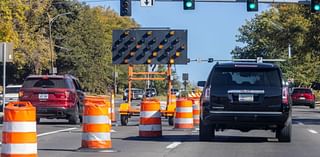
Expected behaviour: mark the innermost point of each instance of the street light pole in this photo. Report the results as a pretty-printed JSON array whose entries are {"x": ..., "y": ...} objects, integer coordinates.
[{"x": 50, "y": 37}]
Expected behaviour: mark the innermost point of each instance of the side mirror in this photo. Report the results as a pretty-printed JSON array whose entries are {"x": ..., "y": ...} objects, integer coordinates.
[{"x": 201, "y": 83}]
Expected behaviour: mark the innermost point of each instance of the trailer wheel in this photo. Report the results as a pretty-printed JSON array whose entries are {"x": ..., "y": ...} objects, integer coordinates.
[
  {"x": 170, "y": 120},
  {"x": 124, "y": 120}
]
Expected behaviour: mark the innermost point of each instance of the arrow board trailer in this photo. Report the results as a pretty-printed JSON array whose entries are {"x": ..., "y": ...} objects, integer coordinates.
[{"x": 147, "y": 3}]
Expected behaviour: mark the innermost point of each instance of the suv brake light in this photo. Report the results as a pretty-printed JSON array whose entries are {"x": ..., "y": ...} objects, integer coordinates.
[
  {"x": 285, "y": 96},
  {"x": 207, "y": 93},
  {"x": 308, "y": 96}
]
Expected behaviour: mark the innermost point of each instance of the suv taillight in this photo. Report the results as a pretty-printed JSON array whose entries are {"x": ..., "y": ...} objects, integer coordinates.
[
  {"x": 207, "y": 93},
  {"x": 309, "y": 96},
  {"x": 285, "y": 96}
]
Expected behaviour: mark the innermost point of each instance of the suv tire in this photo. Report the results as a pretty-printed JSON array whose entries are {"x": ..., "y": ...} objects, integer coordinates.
[
  {"x": 74, "y": 118},
  {"x": 38, "y": 120},
  {"x": 284, "y": 133},
  {"x": 206, "y": 132},
  {"x": 312, "y": 106}
]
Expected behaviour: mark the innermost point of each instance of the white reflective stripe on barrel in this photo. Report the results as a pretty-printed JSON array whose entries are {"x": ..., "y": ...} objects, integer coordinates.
[
  {"x": 184, "y": 109},
  {"x": 149, "y": 127},
  {"x": 150, "y": 114},
  {"x": 196, "y": 107},
  {"x": 183, "y": 120},
  {"x": 22, "y": 149},
  {"x": 96, "y": 120},
  {"x": 96, "y": 136},
  {"x": 19, "y": 127}
]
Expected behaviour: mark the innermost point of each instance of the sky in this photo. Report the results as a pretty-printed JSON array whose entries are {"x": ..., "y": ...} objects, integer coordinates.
[{"x": 212, "y": 28}]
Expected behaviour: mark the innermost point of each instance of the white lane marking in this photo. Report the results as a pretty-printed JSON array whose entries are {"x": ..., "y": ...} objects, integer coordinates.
[
  {"x": 55, "y": 132},
  {"x": 113, "y": 130},
  {"x": 312, "y": 131},
  {"x": 173, "y": 145}
]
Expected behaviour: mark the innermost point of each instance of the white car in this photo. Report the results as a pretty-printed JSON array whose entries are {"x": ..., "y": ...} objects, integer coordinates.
[{"x": 12, "y": 94}]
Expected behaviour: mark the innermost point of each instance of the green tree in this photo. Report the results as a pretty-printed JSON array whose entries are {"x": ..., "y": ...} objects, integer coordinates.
[{"x": 269, "y": 34}]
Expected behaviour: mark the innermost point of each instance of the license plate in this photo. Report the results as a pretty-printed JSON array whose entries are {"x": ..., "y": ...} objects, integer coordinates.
[
  {"x": 245, "y": 97},
  {"x": 43, "y": 96},
  {"x": 302, "y": 98}
]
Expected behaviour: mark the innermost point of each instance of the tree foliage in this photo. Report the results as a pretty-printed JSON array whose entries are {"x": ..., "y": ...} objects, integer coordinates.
[
  {"x": 81, "y": 39},
  {"x": 270, "y": 33}
]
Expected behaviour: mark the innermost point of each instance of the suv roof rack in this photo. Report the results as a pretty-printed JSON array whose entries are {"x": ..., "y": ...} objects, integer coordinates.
[{"x": 258, "y": 60}]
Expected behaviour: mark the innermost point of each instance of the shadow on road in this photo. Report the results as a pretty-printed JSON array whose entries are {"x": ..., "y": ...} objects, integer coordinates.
[
  {"x": 58, "y": 150},
  {"x": 306, "y": 121},
  {"x": 194, "y": 138}
]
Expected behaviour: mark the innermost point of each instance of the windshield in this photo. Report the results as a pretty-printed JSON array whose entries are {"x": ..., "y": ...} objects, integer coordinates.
[
  {"x": 295, "y": 91},
  {"x": 246, "y": 77},
  {"x": 150, "y": 90},
  {"x": 12, "y": 90}
]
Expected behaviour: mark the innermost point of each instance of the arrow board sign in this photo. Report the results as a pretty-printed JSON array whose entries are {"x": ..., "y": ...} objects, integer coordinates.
[{"x": 147, "y": 3}]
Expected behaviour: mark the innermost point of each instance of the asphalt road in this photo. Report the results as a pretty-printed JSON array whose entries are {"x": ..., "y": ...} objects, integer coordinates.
[{"x": 65, "y": 142}]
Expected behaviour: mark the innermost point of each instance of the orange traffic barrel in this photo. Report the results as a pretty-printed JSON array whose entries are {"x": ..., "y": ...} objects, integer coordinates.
[
  {"x": 100, "y": 100},
  {"x": 96, "y": 126},
  {"x": 150, "y": 119},
  {"x": 19, "y": 132},
  {"x": 196, "y": 111},
  {"x": 183, "y": 116}
]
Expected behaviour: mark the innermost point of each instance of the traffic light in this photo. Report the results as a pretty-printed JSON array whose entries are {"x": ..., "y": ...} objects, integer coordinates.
[
  {"x": 188, "y": 4},
  {"x": 125, "y": 7},
  {"x": 155, "y": 46},
  {"x": 315, "y": 6},
  {"x": 252, "y": 5}
]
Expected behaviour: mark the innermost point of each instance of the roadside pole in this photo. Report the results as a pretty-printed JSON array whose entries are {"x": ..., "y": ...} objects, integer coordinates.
[{"x": 4, "y": 56}]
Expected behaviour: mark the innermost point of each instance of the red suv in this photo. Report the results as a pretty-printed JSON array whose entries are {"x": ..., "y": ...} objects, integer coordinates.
[
  {"x": 54, "y": 96},
  {"x": 303, "y": 96}
]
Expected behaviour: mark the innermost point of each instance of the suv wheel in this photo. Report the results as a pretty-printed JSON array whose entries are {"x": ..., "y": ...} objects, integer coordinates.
[
  {"x": 284, "y": 133},
  {"x": 312, "y": 105},
  {"x": 74, "y": 118},
  {"x": 206, "y": 132},
  {"x": 38, "y": 120}
]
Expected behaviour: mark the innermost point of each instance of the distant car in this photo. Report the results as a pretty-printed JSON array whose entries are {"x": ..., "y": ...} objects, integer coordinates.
[
  {"x": 136, "y": 94},
  {"x": 303, "y": 96},
  {"x": 175, "y": 91},
  {"x": 245, "y": 96},
  {"x": 54, "y": 96},
  {"x": 12, "y": 94},
  {"x": 150, "y": 92}
]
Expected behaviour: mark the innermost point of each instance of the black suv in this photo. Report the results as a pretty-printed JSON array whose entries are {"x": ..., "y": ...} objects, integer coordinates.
[{"x": 245, "y": 96}]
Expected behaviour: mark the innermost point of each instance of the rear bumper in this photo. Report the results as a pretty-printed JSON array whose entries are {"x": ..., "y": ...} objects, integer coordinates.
[
  {"x": 303, "y": 102},
  {"x": 248, "y": 119},
  {"x": 54, "y": 112}
]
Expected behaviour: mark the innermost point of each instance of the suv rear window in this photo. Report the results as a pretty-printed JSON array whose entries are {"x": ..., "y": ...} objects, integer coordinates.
[
  {"x": 45, "y": 83},
  {"x": 295, "y": 91},
  {"x": 241, "y": 77}
]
